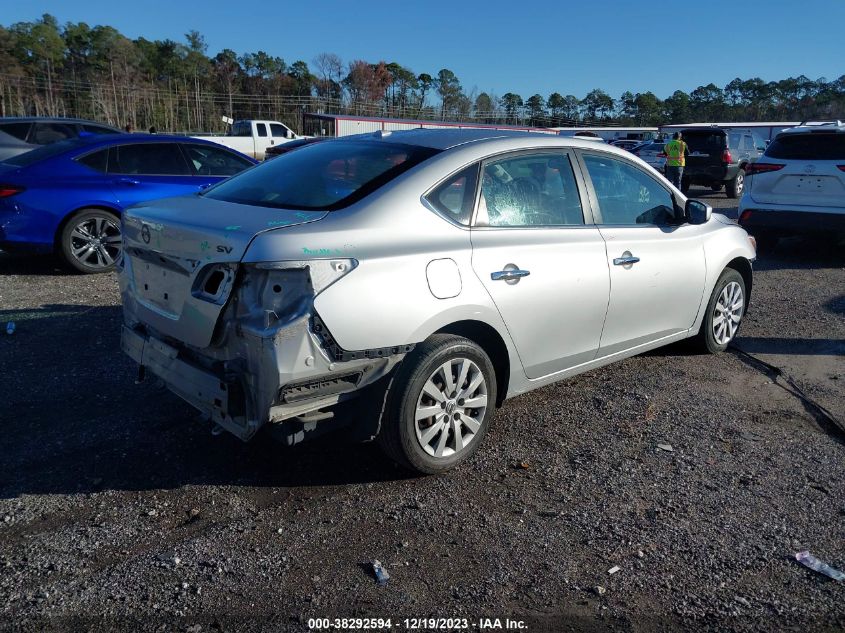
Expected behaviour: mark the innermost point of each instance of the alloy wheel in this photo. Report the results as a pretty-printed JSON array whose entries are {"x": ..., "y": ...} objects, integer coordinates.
[
  {"x": 728, "y": 313},
  {"x": 95, "y": 242},
  {"x": 451, "y": 408}
]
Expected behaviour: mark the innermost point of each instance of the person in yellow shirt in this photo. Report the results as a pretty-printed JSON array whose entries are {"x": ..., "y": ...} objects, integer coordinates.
[{"x": 676, "y": 152}]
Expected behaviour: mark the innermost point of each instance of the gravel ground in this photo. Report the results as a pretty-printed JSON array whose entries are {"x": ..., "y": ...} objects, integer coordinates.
[{"x": 119, "y": 510}]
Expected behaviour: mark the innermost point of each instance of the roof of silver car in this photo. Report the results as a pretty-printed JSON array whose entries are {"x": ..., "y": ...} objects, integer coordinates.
[{"x": 444, "y": 138}]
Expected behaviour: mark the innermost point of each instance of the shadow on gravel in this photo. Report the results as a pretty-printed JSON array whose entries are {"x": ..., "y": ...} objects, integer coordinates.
[
  {"x": 801, "y": 253},
  {"x": 792, "y": 346},
  {"x": 31, "y": 265},
  {"x": 74, "y": 421}
]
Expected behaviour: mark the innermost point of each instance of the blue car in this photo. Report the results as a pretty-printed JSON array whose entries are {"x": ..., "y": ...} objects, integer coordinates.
[{"x": 67, "y": 197}]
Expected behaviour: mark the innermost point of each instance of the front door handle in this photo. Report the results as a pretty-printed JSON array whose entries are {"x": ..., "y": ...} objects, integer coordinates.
[
  {"x": 626, "y": 260},
  {"x": 510, "y": 275},
  {"x": 127, "y": 181}
]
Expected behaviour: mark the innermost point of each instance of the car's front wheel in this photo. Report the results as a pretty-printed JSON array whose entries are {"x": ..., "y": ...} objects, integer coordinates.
[
  {"x": 735, "y": 187},
  {"x": 91, "y": 241},
  {"x": 439, "y": 405},
  {"x": 724, "y": 312}
]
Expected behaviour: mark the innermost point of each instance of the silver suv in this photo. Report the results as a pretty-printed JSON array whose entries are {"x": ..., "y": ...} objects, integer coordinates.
[
  {"x": 798, "y": 186},
  {"x": 408, "y": 283}
]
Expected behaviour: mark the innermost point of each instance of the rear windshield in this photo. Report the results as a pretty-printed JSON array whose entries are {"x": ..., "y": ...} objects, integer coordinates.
[
  {"x": 44, "y": 152},
  {"x": 705, "y": 141},
  {"x": 323, "y": 176},
  {"x": 812, "y": 146}
]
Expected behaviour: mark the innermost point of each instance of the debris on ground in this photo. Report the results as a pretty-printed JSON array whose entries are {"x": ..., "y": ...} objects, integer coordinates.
[
  {"x": 380, "y": 572},
  {"x": 811, "y": 562},
  {"x": 666, "y": 447},
  {"x": 614, "y": 569},
  {"x": 600, "y": 590}
]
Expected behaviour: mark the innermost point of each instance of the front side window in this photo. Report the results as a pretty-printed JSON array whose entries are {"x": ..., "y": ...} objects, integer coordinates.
[
  {"x": 627, "y": 195},
  {"x": 321, "y": 176},
  {"x": 214, "y": 161},
  {"x": 454, "y": 198},
  {"x": 747, "y": 142},
  {"x": 529, "y": 190},
  {"x": 278, "y": 130},
  {"x": 46, "y": 133},
  {"x": 152, "y": 159}
]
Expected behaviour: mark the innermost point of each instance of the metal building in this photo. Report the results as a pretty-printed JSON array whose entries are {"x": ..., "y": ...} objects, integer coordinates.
[{"x": 345, "y": 124}]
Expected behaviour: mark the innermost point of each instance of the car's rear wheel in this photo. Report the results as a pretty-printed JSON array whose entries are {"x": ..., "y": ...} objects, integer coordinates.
[
  {"x": 91, "y": 241},
  {"x": 724, "y": 313},
  {"x": 735, "y": 187},
  {"x": 439, "y": 405}
]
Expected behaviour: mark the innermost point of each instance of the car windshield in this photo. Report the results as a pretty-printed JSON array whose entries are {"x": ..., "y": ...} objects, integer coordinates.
[
  {"x": 813, "y": 146},
  {"x": 321, "y": 176},
  {"x": 44, "y": 152}
]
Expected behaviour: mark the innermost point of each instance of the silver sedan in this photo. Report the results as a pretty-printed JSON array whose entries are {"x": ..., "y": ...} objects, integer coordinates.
[{"x": 406, "y": 284}]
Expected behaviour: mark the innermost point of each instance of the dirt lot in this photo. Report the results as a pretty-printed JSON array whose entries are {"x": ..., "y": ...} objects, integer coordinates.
[{"x": 118, "y": 509}]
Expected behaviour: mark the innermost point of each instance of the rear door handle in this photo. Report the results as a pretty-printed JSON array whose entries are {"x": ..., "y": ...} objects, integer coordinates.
[
  {"x": 127, "y": 181},
  {"x": 510, "y": 275},
  {"x": 625, "y": 260}
]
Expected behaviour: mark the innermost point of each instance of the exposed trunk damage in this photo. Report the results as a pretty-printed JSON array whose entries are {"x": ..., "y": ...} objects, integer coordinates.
[{"x": 237, "y": 341}]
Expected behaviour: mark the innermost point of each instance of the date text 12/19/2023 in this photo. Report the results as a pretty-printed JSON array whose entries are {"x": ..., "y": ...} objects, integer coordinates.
[{"x": 416, "y": 624}]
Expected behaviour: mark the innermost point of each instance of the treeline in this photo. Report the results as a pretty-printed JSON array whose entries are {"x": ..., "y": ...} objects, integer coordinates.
[{"x": 97, "y": 73}]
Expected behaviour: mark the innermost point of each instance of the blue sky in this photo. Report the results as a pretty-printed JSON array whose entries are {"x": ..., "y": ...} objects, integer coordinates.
[{"x": 501, "y": 46}]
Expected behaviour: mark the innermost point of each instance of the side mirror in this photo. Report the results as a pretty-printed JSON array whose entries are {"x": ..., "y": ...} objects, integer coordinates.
[
  {"x": 289, "y": 134},
  {"x": 697, "y": 212}
]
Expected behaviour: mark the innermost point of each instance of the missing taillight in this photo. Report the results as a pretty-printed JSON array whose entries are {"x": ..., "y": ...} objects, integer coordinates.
[{"x": 212, "y": 283}]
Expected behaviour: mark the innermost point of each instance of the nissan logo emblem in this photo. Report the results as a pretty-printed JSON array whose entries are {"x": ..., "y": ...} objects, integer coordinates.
[{"x": 145, "y": 234}]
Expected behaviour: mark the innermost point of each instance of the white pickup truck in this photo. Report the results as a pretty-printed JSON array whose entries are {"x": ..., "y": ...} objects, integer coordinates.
[{"x": 253, "y": 137}]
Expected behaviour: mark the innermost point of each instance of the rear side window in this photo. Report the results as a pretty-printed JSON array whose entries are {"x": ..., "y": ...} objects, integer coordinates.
[
  {"x": 455, "y": 197},
  {"x": 213, "y": 161},
  {"x": 321, "y": 176},
  {"x": 96, "y": 160},
  {"x": 260, "y": 129},
  {"x": 43, "y": 153},
  {"x": 18, "y": 130},
  {"x": 706, "y": 142},
  {"x": 152, "y": 159},
  {"x": 813, "y": 146},
  {"x": 747, "y": 142}
]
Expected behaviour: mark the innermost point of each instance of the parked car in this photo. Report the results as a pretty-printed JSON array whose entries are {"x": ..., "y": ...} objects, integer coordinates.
[
  {"x": 798, "y": 186},
  {"x": 431, "y": 274},
  {"x": 284, "y": 148},
  {"x": 652, "y": 153},
  {"x": 68, "y": 197},
  {"x": 626, "y": 144},
  {"x": 253, "y": 138},
  {"x": 719, "y": 158},
  {"x": 22, "y": 134}
]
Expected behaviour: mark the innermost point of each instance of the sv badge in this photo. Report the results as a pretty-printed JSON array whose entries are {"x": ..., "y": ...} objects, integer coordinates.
[{"x": 224, "y": 249}]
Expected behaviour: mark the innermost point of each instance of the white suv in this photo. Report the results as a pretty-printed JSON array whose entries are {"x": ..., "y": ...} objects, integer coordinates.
[{"x": 798, "y": 186}]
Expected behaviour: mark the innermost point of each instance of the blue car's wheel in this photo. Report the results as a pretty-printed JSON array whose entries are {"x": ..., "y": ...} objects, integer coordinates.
[{"x": 91, "y": 241}]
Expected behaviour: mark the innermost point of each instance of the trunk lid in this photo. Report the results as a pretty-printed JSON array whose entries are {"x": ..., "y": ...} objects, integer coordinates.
[
  {"x": 810, "y": 183},
  {"x": 181, "y": 256}
]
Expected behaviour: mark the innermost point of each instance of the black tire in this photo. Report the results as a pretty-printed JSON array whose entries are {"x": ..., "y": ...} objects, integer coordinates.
[
  {"x": 97, "y": 231},
  {"x": 735, "y": 187},
  {"x": 716, "y": 186},
  {"x": 399, "y": 434},
  {"x": 706, "y": 340}
]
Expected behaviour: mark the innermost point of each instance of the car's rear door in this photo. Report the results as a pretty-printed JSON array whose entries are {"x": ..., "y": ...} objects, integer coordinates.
[
  {"x": 541, "y": 259},
  {"x": 656, "y": 262},
  {"x": 148, "y": 171}
]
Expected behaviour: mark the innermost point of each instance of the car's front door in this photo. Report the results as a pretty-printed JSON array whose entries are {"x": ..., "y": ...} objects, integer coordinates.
[
  {"x": 656, "y": 259},
  {"x": 146, "y": 171},
  {"x": 544, "y": 266}
]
